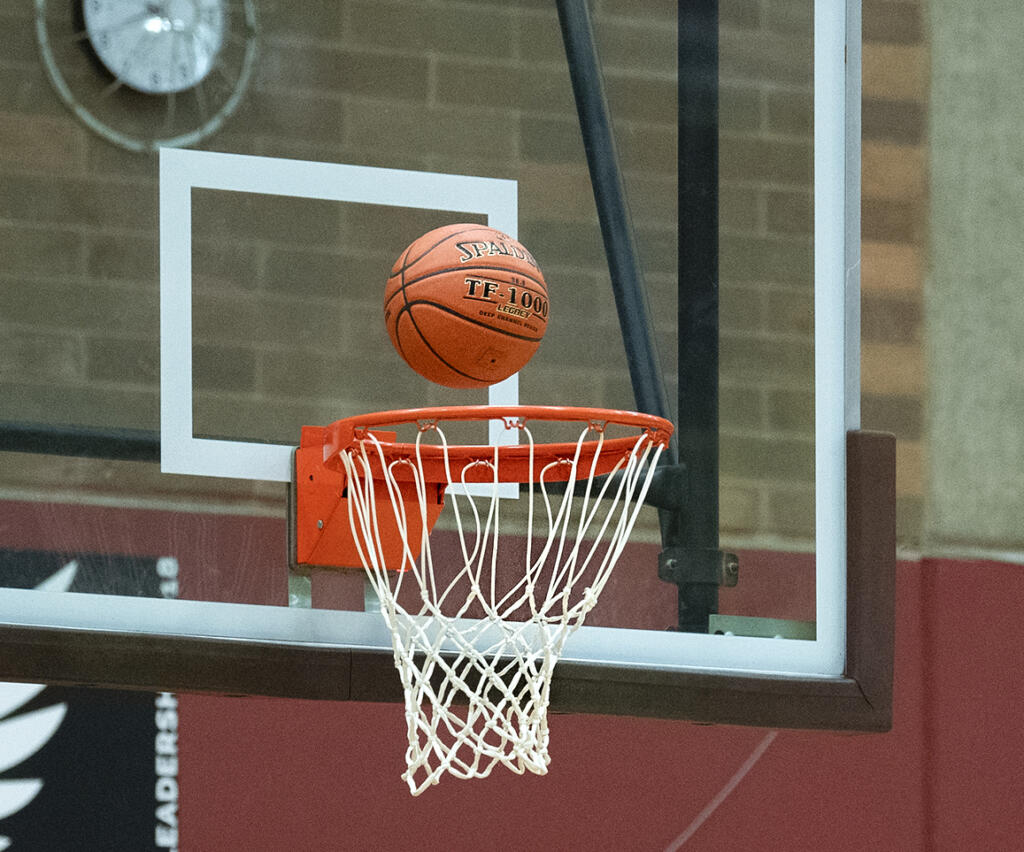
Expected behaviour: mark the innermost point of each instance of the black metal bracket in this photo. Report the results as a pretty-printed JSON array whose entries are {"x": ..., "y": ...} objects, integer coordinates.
[
  {"x": 690, "y": 515},
  {"x": 682, "y": 565},
  {"x": 698, "y": 573},
  {"x": 668, "y": 489}
]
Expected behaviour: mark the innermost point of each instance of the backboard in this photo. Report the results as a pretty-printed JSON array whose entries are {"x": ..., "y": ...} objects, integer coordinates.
[{"x": 690, "y": 187}]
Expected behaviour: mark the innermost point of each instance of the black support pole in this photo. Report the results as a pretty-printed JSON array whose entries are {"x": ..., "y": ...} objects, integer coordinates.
[
  {"x": 612, "y": 211},
  {"x": 57, "y": 440},
  {"x": 697, "y": 425},
  {"x": 686, "y": 488}
]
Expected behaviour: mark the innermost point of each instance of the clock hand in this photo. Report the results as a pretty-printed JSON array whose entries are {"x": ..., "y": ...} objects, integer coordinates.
[{"x": 110, "y": 29}]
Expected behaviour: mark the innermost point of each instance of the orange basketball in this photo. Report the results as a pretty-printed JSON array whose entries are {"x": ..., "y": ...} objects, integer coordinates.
[{"x": 466, "y": 306}]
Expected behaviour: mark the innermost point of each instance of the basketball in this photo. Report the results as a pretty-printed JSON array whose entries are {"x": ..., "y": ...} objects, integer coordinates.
[{"x": 466, "y": 306}]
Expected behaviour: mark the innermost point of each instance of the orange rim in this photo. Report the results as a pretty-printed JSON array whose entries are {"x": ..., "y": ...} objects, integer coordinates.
[{"x": 508, "y": 463}]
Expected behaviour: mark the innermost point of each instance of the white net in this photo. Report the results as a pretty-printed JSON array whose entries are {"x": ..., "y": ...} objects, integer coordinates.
[{"x": 477, "y": 629}]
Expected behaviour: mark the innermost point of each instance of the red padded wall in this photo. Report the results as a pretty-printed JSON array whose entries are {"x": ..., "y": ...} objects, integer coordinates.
[{"x": 273, "y": 774}]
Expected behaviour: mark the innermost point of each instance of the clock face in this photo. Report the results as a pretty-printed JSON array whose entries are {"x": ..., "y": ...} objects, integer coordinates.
[{"x": 156, "y": 46}]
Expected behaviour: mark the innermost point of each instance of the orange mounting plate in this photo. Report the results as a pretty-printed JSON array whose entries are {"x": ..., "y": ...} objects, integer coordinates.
[{"x": 319, "y": 524}]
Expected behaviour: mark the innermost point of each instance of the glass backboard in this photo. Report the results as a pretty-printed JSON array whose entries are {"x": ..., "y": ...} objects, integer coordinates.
[{"x": 690, "y": 189}]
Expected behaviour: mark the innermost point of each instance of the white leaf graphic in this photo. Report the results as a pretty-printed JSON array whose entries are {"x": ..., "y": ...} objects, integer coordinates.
[
  {"x": 14, "y": 795},
  {"x": 13, "y": 695},
  {"x": 22, "y": 736},
  {"x": 62, "y": 580}
]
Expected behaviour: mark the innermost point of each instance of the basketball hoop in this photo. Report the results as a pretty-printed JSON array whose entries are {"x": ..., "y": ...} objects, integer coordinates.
[{"x": 475, "y": 646}]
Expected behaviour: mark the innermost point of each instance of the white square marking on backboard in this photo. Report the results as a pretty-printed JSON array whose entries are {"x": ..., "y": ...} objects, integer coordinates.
[{"x": 183, "y": 170}]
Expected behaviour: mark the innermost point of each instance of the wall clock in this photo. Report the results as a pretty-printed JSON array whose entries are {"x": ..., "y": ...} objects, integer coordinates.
[{"x": 147, "y": 74}]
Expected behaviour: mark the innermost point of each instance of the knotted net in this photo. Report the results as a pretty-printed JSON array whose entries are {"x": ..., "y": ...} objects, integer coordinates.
[{"x": 474, "y": 642}]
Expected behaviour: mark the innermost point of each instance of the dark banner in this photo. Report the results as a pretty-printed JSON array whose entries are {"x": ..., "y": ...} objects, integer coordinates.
[{"x": 87, "y": 769}]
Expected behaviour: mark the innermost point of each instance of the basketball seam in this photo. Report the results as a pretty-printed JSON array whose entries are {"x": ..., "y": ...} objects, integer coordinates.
[
  {"x": 396, "y": 337},
  {"x": 541, "y": 286},
  {"x": 538, "y": 287},
  {"x": 402, "y": 285},
  {"x": 422, "y": 337},
  {"x": 454, "y": 313},
  {"x": 486, "y": 267},
  {"x": 406, "y": 265},
  {"x": 433, "y": 351}
]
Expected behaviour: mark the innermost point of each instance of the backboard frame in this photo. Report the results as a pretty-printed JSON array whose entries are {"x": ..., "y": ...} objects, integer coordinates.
[{"x": 93, "y": 640}]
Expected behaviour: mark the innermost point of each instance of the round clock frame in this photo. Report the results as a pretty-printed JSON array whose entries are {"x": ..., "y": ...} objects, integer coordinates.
[{"x": 148, "y": 74}]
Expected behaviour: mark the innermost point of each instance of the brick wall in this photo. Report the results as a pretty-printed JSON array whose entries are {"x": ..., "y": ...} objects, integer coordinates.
[
  {"x": 287, "y": 292},
  {"x": 894, "y": 232},
  {"x": 766, "y": 257}
]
